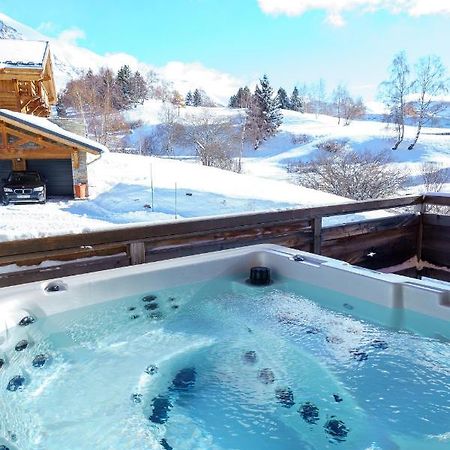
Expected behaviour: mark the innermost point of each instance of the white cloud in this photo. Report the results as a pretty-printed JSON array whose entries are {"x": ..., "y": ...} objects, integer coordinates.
[
  {"x": 188, "y": 76},
  {"x": 71, "y": 36},
  {"x": 46, "y": 27},
  {"x": 335, "y": 8}
]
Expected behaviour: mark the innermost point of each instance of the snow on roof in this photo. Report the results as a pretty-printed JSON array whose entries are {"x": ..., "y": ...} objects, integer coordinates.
[
  {"x": 22, "y": 54},
  {"x": 44, "y": 125}
]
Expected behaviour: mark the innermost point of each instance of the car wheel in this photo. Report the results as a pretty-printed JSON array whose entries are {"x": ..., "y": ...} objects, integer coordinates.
[{"x": 43, "y": 202}]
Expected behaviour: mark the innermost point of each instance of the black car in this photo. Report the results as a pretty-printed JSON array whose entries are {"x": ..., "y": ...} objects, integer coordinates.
[{"x": 24, "y": 186}]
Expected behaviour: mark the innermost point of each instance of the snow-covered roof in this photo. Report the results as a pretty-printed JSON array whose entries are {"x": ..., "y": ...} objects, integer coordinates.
[
  {"x": 18, "y": 53},
  {"x": 45, "y": 127}
]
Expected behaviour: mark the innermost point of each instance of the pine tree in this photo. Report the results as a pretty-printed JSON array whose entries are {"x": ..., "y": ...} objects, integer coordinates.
[
  {"x": 241, "y": 99},
  {"x": 189, "y": 101},
  {"x": 232, "y": 103},
  {"x": 264, "y": 116},
  {"x": 124, "y": 84},
  {"x": 296, "y": 101},
  {"x": 197, "y": 98},
  {"x": 139, "y": 89},
  {"x": 283, "y": 99}
]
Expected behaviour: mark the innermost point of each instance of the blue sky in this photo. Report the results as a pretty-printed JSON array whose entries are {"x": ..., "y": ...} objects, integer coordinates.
[{"x": 247, "y": 38}]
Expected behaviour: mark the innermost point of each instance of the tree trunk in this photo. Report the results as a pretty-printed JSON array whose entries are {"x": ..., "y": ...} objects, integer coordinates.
[{"x": 419, "y": 129}]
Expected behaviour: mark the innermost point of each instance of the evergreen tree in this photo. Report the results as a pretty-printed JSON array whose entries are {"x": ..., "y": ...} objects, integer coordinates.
[
  {"x": 283, "y": 99},
  {"x": 139, "y": 89},
  {"x": 264, "y": 116},
  {"x": 232, "y": 103},
  {"x": 241, "y": 99},
  {"x": 197, "y": 98},
  {"x": 124, "y": 85},
  {"x": 189, "y": 101},
  {"x": 296, "y": 101}
]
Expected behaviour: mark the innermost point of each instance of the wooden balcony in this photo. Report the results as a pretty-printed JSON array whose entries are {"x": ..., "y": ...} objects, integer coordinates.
[{"x": 408, "y": 239}]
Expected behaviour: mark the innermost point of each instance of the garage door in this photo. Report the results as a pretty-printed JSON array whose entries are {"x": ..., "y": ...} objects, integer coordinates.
[
  {"x": 5, "y": 168},
  {"x": 58, "y": 173}
]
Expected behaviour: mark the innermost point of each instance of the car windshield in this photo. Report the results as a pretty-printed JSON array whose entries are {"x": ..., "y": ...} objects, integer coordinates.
[{"x": 24, "y": 177}]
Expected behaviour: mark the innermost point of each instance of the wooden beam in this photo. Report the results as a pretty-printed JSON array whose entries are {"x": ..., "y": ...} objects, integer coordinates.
[{"x": 44, "y": 133}]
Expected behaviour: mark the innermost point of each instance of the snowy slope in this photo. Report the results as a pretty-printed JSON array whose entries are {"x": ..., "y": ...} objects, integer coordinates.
[
  {"x": 71, "y": 60},
  {"x": 271, "y": 159}
]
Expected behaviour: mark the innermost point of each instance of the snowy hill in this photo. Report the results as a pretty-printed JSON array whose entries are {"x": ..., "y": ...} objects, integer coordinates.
[
  {"x": 300, "y": 134},
  {"x": 70, "y": 60}
]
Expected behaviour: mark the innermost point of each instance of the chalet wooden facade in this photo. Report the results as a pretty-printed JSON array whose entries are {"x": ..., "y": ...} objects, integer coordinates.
[
  {"x": 35, "y": 143},
  {"x": 26, "y": 77},
  {"x": 29, "y": 141}
]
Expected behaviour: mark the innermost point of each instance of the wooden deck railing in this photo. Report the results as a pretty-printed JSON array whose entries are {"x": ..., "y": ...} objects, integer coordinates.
[{"x": 406, "y": 236}]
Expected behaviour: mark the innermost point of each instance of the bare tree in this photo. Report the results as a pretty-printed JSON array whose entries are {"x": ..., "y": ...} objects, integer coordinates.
[
  {"x": 434, "y": 176},
  {"x": 216, "y": 140},
  {"x": 91, "y": 98},
  {"x": 394, "y": 94},
  {"x": 430, "y": 83},
  {"x": 340, "y": 96},
  {"x": 356, "y": 175},
  {"x": 345, "y": 107},
  {"x": 353, "y": 109}
]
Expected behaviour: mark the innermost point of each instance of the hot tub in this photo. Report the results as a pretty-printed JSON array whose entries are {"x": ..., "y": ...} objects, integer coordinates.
[{"x": 188, "y": 354}]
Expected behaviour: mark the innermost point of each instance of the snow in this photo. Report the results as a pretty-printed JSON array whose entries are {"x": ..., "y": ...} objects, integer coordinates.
[
  {"x": 120, "y": 184},
  {"x": 120, "y": 187},
  {"x": 52, "y": 128},
  {"x": 19, "y": 53}
]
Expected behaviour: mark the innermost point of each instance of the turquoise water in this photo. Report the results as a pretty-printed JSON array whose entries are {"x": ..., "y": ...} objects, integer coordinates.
[{"x": 225, "y": 365}]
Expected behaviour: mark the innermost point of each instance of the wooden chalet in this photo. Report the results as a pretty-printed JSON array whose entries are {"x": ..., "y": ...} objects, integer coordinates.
[{"x": 26, "y": 77}]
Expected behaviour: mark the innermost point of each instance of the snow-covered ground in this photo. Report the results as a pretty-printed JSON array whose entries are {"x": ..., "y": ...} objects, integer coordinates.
[
  {"x": 121, "y": 194},
  {"x": 120, "y": 184}
]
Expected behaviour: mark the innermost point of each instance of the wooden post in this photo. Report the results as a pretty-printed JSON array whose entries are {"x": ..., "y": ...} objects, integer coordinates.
[
  {"x": 419, "y": 243},
  {"x": 136, "y": 251},
  {"x": 317, "y": 232}
]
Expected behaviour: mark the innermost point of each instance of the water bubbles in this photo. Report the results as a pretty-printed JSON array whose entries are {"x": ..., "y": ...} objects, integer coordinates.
[
  {"x": 149, "y": 298},
  {"x": 134, "y": 316}
]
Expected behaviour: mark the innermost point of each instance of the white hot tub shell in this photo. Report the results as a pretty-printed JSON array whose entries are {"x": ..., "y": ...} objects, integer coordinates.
[{"x": 397, "y": 293}]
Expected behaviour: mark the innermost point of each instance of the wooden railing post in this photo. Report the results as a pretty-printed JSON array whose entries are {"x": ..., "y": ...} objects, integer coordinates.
[
  {"x": 419, "y": 243},
  {"x": 136, "y": 251},
  {"x": 317, "y": 233}
]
